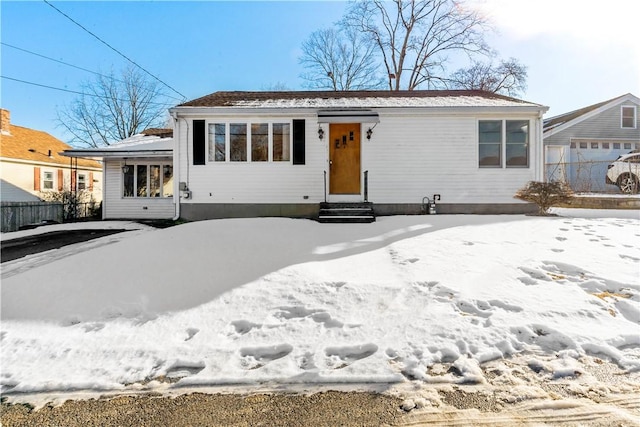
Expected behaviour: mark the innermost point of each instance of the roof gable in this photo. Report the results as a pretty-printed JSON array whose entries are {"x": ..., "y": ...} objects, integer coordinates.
[
  {"x": 563, "y": 121},
  {"x": 31, "y": 145}
]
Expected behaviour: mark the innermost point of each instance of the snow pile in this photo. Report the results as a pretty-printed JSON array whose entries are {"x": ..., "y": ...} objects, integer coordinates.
[{"x": 427, "y": 299}]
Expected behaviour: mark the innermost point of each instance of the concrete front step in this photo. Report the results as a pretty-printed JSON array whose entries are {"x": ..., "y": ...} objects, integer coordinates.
[{"x": 346, "y": 213}]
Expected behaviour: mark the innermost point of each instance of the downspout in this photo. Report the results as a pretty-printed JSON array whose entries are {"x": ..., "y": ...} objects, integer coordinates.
[
  {"x": 104, "y": 188},
  {"x": 541, "y": 151},
  {"x": 176, "y": 164}
]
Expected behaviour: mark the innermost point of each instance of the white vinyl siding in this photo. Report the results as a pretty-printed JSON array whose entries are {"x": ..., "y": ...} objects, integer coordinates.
[
  {"x": 436, "y": 155},
  {"x": 409, "y": 156},
  {"x": 256, "y": 182},
  {"x": 116, "y": 206}
]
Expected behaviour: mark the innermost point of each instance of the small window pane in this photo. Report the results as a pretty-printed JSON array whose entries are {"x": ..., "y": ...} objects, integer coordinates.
[
  {"x": 167, "y": 181},
  {"x": 594, "y": 145},
  {"x": 572, "y": 145},
  {"x": 583, "y": 145},
  {"x": 154, "y": 181},
  {"x": 605, "y": 145},
  {"x": 217, "y": 144},
  {"x": 238, "y": 142},
  {"x": 128, "y": 181},
  {"x": 628, "y": 117},
  {"x": 82, "y": 181},
  {"x": 490, "y": 155},
  {"x": 281, "y": 142},
  {"x": 47, "y": 182},
  {"x": 517, "y": 144},
  {"x": 627, "y": 146},
  {"x": 490, "y": 131},
  {"x": 142, "y": 181},
  {"x": 616, "y": 145},
  {"x": 259, "y": 142},
  {"x": 490, "y": 138}
]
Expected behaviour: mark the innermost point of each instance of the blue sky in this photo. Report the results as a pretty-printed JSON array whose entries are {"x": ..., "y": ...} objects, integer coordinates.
[{"x": 577, "y": 52}]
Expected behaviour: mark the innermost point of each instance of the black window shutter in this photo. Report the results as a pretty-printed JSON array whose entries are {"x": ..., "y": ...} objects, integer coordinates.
[
  {"x": 199, "y": 148},
  {"x": 298, "y": 142}
]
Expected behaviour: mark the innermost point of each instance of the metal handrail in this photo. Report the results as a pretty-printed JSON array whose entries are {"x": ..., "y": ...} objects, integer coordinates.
[
  {"x": 366, "y": 186},
  {"x": 325, "y": 186}
]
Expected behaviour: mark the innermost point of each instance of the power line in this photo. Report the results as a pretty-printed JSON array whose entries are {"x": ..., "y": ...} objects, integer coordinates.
[
  {"x": 71, "y": 65},
  {"x": 113, "y": 48},
  {"x": 74, "y": 91}
]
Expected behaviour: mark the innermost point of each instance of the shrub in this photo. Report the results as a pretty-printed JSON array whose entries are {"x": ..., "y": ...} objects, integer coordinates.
[{"x": 545, "y": 194}]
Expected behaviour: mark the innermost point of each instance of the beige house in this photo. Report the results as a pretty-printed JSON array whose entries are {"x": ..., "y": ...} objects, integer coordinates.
[{"x": 31, "y": 166}]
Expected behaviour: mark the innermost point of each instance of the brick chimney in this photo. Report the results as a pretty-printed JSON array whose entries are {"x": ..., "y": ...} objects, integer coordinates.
[{"x": 5, "y": 120}]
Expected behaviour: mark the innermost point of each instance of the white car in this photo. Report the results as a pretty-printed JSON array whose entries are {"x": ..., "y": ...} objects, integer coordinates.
[{"x": 625, "y": 172}]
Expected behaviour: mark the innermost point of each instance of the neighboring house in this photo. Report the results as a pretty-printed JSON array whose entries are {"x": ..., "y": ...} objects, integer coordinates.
[
  {"x": 283, "y": 153},
  {"x": 30, "y": 165},
  {"x": 580, "y": 145},
  {"x": 138, "y": 175}
]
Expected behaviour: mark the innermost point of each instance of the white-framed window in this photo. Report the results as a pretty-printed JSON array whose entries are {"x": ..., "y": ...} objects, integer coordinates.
[
  {"x": 628, "y": 117},
  {"x": 47, "y": 180},
  {"x": 498, "y": 139},
  {"x": 249, "y": 142},
  {"x": 147, "y": 180},
  {"x": 82, "y": 181}
]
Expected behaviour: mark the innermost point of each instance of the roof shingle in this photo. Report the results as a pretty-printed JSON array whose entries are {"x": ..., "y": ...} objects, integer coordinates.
[
  {"x": 237, "y": 98},
  {"x": 33, "y": 145}
]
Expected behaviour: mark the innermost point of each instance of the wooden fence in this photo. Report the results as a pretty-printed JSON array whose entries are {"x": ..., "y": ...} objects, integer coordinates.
[{"x": 18, "y": 214}]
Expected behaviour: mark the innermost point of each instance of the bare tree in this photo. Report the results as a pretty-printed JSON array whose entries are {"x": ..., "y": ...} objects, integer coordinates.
[
  {"x": 339, "y": 59},
  {"x": 508, "y": 77},
  {"x": 111, "y": 109},
  {"x": 417, "y": 37}
]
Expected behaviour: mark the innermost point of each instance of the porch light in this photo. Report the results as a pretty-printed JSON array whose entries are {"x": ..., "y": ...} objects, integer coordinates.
[
  {"x": 125, "y": 168},
  {"x": 369, "y": 133},
  {"x": 320, "y": 132}
]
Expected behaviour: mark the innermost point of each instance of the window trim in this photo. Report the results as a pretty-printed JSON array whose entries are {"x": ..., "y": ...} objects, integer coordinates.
[
  {"x": 248, "y": 143},
  {"x": 148, "y": 164},
  {"x": 503, "y": 142},
  {"x": 53, "y": 181},
  {"x": 84, "y": 181},
  {"x": 635, "y": 116}
]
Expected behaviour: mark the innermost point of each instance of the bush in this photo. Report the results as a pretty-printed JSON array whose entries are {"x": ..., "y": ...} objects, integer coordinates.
[{"x": 545, "y": 194}]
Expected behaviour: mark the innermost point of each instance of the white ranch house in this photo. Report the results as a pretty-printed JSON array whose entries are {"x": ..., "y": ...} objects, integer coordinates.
[{"x": 245, "y": 154}]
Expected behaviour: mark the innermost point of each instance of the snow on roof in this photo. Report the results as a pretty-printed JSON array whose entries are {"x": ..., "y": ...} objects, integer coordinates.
[
  {"x": 145, "y": 143},
  {"x": 357, "y": 99},
  {"x": 142, "y": 142}
]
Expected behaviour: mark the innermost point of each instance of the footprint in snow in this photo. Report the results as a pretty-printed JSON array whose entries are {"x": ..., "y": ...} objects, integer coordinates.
[
  {"x": 191, "y": 332},
  {"x": 244, "y": 326},
  {"x": 561, "y": 239},
  {"x": 632, "y": 258},
  {"x": 557, "y": 250},
  {"x": 341, "y": 357},
  {"x": 257, "y": 357},
  {"x": 182, "y": 369}
]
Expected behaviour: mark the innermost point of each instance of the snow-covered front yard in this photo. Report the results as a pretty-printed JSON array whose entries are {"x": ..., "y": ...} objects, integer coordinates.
[{"x": 424, "y": 299}]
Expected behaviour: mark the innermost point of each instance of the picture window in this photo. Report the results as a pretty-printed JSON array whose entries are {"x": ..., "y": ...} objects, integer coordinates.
[{"x": 147, "y": 180}]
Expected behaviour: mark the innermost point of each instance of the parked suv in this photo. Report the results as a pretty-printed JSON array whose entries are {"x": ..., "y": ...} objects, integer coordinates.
[{"x": 625, "y": 172}]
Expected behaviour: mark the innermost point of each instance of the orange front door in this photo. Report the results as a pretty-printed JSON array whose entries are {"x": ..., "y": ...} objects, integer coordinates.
[{"x": 344, "y": 158}]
